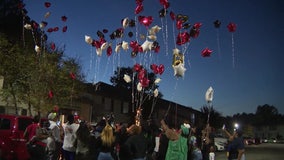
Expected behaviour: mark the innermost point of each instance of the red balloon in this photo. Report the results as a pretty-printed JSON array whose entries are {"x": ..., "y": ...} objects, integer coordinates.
[
  {"x": 137, "y": 67},
  {"x": 173, "y": 16},
  {"x": 206, "y": 52},
  {"x": 50, "y": 94},
  {"x": 161, "y": 69},
  {"x": 50, "y": 30},
  {"x": 52, "y": 46},
  {"x": 72, "y": 75},
  {"x": 64, "y": 18},
  {"x": 183, "y": 38},
  {"x": 64, "y": 29},
  {"x": 146, "y": 21},
  {"x": 144, "y": 82},
  {"x": 56, "y": 108},
  {"x": 55, "y": 29},
  {"x": 179, "y": 24},
  {"x": 109, "y": 51},
  {"x": 232, "y": 27},
  {"x": 47, "y": 4},
  {"x": 139, "y": 8}
]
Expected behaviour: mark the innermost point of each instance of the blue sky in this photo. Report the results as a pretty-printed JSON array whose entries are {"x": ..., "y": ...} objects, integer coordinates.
[{"x": 245, "y": 69}]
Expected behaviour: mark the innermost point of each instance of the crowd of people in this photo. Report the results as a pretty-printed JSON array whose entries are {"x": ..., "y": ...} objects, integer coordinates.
[{"x": 78, "y": 140}]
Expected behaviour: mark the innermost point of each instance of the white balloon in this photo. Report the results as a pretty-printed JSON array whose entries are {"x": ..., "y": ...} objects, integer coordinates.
[
  {"x": 37, "y": 49},
  {"x": 156, "y": 92},
  {"x": 28, "y": 26},
  {"x": 155, "y": 29},
  {"x": 117, "y": 48},
  {"x": 179, "y": 70},
  {"x": 146, "y": 46},
  {"x": 125, "y": 22},
  {"x": 125, "y": 45},
  {"x": 152, "y": 37},
  {"x": 176, "y": 51},
  {"x": 209, "y": 94},
  {"x": 88, "y": 39},
  {"x": 127, "y": 78},
  {"x": 158, "y": 80},
  {"x": 139, "y": 87},
  {"x": 104, "y": 46},
  {"x": 47, "y": 14},
  {"x": 99, "y": 51}
]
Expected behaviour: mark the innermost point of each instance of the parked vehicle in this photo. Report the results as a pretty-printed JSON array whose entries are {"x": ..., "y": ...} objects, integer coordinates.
[
  {"x": 12, "y": 141},
  {"x": 220, "y": 143}
]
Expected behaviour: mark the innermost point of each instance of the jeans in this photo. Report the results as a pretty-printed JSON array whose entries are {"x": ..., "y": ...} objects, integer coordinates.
[{"x": 105, "y": 156}]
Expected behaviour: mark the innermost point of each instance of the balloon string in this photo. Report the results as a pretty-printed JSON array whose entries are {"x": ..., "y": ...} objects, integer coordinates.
[
  {"x": 233, "y": 51},
  {"x": 174, "y": 35},
  {"x": 218, "y": 43}
]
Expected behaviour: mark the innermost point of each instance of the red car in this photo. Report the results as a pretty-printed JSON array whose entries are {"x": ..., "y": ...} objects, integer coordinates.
[{"x": 12, "y": 142}]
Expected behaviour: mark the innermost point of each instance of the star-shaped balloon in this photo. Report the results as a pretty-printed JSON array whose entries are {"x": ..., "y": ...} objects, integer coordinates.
[
  {"x": 206, "y": 52},
  {"x": 179, "y": 70}
]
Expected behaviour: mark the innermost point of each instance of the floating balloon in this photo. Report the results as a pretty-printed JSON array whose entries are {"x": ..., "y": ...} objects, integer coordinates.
[
  {"x": 99, "y": 52},
  {"x": 124, "y": 45},
  {"x": 125, "y": 22},
  {"x": 104, "y": 46},
  {"x": 209, "y": 94},
  {"x": 127, "y": 78},
  {"x": 50, "y": 94},
  {"x": 109, "y": 50},
  {"x": 206, "y": 52},
  {"x": 172, "y": 15},
  {"x": 47, "y": 14},
  {"x": 72, "y": 75},
  {"x": 43, "y": 24},
  {"x": 147, "y": 46},
  {"x": 64, "y": 29},
  {"x": 117, "y": 48},
  {"x": 28, "y": 27},
  {"x": 52, "y": 46},
  {"x": 179, "y": 70},
  {"x": 158, "y": 80},
  {"x": 146, "y": 21},
  {"x": 139, "y": 8},
  {"x": 232, "y": 27},
  {"x": 88, "y": 39},
  {"x": 139, "y": 87},
  {"x": 156, "y": 92},
  {"x": 47, "y": 4},
  {"x": 162, "y": 12},
  {"x": 37, "y": 49},
  {"x": 64, "y": 18},
  {"x": 217, "y": 24}
]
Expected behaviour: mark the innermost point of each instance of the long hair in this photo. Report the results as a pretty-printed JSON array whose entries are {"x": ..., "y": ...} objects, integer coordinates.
[
  {"x": 107, "y": 136},
  {"x": 83, "y": 133}
]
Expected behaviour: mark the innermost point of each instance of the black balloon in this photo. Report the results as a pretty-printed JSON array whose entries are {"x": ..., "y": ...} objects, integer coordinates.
[
  {"x": 134, "y": 54},
  {"x": 100, "y": 34},
  {"x": 130, "y": 34},
  {"x": 217, "y": 24},
  {"x": 163, "y": 12},
  {"x": 132, "y": 23},
  {"x": 186, "y": 26}
]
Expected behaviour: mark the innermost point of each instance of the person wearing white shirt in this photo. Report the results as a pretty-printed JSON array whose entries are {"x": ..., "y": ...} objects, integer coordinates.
[{"x": 70, "y": 128}]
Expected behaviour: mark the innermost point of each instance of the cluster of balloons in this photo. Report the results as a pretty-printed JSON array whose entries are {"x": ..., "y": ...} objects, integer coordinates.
[{"x": 36, "y": 27}]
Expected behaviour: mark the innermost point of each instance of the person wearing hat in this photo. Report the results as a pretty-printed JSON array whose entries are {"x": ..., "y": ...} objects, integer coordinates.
[{"x": 54, "y": 150}]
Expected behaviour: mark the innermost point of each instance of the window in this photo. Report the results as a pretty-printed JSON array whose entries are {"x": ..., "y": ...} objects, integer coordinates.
[{"x": 4, "y": 124}]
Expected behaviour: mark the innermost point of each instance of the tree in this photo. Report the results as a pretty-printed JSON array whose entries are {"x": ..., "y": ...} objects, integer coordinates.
[
  {"x": 215, "y": 117},
  {"x": 266, "y": 115}
]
